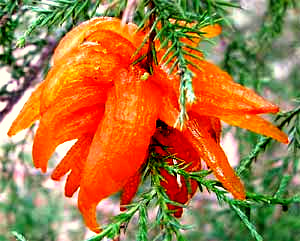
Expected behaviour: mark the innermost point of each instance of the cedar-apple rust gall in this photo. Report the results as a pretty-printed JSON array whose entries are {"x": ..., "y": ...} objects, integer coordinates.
[{"x": 94, "y": 94}]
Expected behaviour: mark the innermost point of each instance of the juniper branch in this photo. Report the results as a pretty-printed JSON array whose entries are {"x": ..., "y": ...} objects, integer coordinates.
[
  {"x": 252, "y": 199},
  {"x": 53, "y": 13},
  {"x": 285, "y": 118},
  {"x": 113, "y": 229},
  {"x": 171, "y": 35}
]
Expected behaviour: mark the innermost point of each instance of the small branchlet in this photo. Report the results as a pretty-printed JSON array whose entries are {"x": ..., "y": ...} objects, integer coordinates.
[
  {"x": 53, "y": 13},
  {"x": 177, "y": 25},
  {"x": 286, "y": 118},
  {"x": 170, "y": 226}
]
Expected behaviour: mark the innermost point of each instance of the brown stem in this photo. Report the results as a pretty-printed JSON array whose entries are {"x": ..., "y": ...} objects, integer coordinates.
[{"x": 34, "y": 71}]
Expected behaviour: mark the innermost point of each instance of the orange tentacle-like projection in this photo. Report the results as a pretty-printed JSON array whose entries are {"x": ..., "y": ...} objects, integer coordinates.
[{"x": 93, "y": 93}]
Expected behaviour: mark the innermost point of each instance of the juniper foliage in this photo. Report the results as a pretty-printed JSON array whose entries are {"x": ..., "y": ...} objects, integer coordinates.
[{"x": 271, "y": 210}]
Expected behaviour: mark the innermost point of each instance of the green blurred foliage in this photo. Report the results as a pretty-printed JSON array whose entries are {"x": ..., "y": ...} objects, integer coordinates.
[
  {"x": 248, "y": 51},
  {"x": 26, "y": 207}
]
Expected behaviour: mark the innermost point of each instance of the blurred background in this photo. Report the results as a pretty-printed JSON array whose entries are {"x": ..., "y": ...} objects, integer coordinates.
[{"x": 260, "y": 48}]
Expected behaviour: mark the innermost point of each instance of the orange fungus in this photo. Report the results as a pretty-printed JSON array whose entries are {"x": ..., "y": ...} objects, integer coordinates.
[{"x": 116, "y": 110}]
